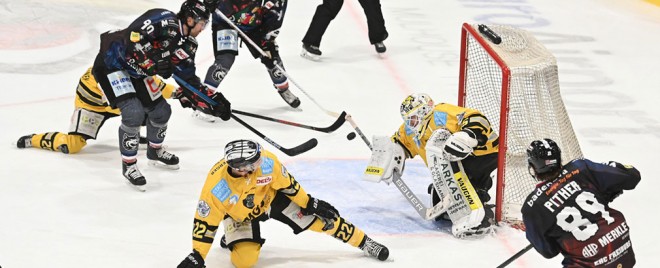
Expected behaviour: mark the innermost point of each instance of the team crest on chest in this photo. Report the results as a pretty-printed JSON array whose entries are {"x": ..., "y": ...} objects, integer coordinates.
[{"x": 248, "y": 202}]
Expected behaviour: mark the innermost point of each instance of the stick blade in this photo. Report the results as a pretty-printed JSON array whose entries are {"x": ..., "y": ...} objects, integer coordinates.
[{"x": 308, "y": 145}]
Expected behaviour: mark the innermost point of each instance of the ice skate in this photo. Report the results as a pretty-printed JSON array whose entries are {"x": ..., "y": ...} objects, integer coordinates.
[
  {"x": 202, "y": 116},
  {"x": 133, "y": 175},
  {"x": 311, "y": 52},
  {"x": 374, "y": 249},
  {"x": 291, "y": 99},
  {"x": 485, "y": 228},
  {"x": 25, "y": 141},
  {"x": 158, "y": 157}
]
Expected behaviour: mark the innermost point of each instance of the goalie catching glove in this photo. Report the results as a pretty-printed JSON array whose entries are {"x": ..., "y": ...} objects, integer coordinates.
[
  {"x": 187, "y": 99},
  {"x": 323, "y": 210}
]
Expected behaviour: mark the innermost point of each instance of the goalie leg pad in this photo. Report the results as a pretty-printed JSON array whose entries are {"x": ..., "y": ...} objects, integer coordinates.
[
  {"x": 86, "y": 122},
  {"x": 387, "y": 157}
]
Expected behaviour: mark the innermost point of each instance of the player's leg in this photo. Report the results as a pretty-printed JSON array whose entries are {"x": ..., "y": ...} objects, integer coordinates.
[
  {"x": 244, "y": 240},
  {"x": 280, "y": 81},
  {"x": 375, "y": 23},
  {"x": 157, "y": 117},
  {"x": 325, "y": 13},
  {"x": 53, "y": 141},
  {"x": 132, "y": 116},
  {"x": 287, "y": 212}
]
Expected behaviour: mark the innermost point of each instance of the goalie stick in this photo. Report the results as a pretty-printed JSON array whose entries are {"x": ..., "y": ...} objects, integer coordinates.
[
  {"x": 308, "y": 145},
  {"x": 424, "y": 211},
  {"x": 338, "y": 123}
]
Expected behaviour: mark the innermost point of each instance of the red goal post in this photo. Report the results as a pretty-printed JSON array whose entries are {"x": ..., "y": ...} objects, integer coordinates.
[{"x": 507, "y": 74}]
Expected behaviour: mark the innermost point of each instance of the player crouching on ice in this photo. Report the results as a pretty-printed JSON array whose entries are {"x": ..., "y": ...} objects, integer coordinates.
[
  {"x": 249, "y": 186},
  {"x": 459, "y": 148}
]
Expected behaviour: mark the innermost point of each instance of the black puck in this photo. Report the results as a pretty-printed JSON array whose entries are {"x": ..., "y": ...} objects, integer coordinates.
[{"x": 350, "y": 136}]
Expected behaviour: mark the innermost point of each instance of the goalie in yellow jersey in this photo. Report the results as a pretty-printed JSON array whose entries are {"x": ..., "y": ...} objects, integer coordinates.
[
  {"x": 91, "y": 111},
  {"x": 459, "y": 147},
  {"x": 250, "y": 186}
]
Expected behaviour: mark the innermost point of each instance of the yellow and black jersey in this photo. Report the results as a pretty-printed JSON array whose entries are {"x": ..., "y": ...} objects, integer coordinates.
[
  {"x": 90, "y": 97},
  {"x": 242, "y": 199},
  {"x": 453, "y": 118}
]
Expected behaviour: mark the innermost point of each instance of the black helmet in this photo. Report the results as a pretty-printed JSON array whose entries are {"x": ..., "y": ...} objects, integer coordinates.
[
  {"x": 544, "y": 156},
  {"x": 242, "y": 153},
  {"x": 194, "y": 9}
]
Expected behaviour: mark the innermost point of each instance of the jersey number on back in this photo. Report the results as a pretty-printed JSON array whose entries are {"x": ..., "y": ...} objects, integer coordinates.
[{"x": 570, "y": 218}]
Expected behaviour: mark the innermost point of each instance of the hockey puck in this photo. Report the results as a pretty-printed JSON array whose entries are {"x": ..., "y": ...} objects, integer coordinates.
[{"x": 350, "y": 136}]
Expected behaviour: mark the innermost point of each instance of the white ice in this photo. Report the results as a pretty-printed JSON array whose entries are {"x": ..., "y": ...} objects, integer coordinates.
[{"x": 60, "y": 210}]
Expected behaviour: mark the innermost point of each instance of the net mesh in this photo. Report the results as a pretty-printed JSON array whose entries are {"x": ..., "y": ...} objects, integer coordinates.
[{"x": 535, "y": 107}]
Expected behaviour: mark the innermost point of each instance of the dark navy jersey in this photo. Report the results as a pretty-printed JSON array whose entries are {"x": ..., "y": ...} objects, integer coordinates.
[
  {"x": 571, "y": 215},
  {"x": 154, "y": 35},
  {"x": 250, "y": 16}
]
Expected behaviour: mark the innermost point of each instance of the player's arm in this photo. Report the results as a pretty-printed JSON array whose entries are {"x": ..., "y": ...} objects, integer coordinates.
[
  {"x": 273, "y": 19},
  {"x": 535, "y": 228},
  {"x": 152, "y": 44},
  {"x": 205, "y": 225},
  {"x": 613, "y": 178},
  {"x": 285, "y": 183}
]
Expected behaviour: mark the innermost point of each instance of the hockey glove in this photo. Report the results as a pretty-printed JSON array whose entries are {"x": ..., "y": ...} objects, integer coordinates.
[
  {"x": 322, "y": 210},
  {"x": 193, "y": 260},
  {"x": 222, "y": 108},
  {"x": 185, "y": 102},
  {"x": 164, "y": 67},
  {"x": 459, "y": 145}
]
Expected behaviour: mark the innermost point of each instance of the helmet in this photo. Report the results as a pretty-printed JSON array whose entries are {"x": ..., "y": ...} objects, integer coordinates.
[
  {"x": 544, "y": 156},
  {"x": 194, "y": 9},
  {"x": 415, "y": 110},
  {"x": 243, "y": 154}
]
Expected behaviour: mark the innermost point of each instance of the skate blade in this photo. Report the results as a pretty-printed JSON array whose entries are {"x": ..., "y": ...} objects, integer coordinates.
[
  {"x": 203, "y": 117},
  {"x": 158, "y": 164},
  {"x": 139, "y": 188},
  {"x": 310, "y": 56}
]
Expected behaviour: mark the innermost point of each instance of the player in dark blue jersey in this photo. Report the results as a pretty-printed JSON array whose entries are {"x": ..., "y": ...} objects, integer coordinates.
[
  {"x": 569, "y": 210},
  {"x": 261, "y": 22},
  {"x": 159, "y": 42}
]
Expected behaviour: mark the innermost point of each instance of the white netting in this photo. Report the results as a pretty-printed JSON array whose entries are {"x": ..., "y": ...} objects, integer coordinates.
[{"x": 535, "y": 107}]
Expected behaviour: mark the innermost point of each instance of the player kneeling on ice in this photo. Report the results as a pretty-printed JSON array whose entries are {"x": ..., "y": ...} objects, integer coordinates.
[
  {"x": 459, "y": 148},
  {"x": 249, "y": 186},
  {"x": 569, "y": 210}
]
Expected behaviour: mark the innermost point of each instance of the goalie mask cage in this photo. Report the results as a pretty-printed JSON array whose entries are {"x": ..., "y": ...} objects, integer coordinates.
[{"x": 512, "y": 78}]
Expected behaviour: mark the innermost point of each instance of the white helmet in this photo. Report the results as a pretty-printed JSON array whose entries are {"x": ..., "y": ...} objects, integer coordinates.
[{"x": 416, "y": 110}]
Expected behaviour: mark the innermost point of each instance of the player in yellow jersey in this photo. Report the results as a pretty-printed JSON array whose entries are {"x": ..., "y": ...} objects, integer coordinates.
[
  {"x": 453, "y": 135},
  {"x": 249, "y": 186},
  {"x": 91, "y": 111}
]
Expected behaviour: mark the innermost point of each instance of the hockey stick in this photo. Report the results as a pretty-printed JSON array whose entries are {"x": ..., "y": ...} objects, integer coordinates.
[
  {"x": 308, "y": 145},
  {"x": 515, "y": 256},
  {"x": 340, "y": 121},
  {"x": 349, "y": 118},
  {"x": 424, "y": 211},
  {"x": 263, "y": 54}
]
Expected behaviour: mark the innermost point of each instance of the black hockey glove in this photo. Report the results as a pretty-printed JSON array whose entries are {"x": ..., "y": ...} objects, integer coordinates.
[
  {"x": 185, "y": 102},
  {"x": 323, "y": 210},
  {"x": 164, "y": 66},
  {"x": 193, "y": 260},
  {"x": 223, "y": 108}
]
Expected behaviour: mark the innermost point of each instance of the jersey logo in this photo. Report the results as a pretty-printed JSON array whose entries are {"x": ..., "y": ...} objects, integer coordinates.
[
  {"x": 248, "y": 202},
  {"x": 221, "y": 190},
  {"x": 267, "y": 166},
  {"x": 181, "y": 54},
  {"x": 440, "y": 118},
  {"x": 203, "y": 209},
  {"x": 264, "y": 180}
]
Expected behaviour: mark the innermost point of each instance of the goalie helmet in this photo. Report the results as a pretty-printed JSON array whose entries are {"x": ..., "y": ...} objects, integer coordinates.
[
  {"x": 194, "y": 9},
  {"x": 416, "y": 111},
  {"x": 543, "y": 156},
  {"x": 243, "y": 155}
]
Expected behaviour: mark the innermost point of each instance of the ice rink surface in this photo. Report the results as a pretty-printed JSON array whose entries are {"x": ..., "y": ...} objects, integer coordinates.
[{"x": 60, "y": 210}]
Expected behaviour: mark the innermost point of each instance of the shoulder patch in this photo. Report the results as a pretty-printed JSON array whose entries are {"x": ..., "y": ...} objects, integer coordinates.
[
  {"x": 203, "y": 209},
  {"x": 221, "y": 190},
  {"x": 267, "y": 166},
  {"x": 135, "y": 37},
  {"x": 440, "y": 118}
]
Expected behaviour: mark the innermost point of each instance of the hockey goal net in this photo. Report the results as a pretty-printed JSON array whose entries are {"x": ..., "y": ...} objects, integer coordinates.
[{"x": 512, "y": 78}]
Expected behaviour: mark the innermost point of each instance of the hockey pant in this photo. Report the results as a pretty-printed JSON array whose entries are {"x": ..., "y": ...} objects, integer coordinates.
[{"x": 245, "y": 241}]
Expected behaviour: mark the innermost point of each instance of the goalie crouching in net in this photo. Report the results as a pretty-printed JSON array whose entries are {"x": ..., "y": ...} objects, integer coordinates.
[
  {"x": 459, "y": 148},
  {"x": 250, "y": 186}
]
